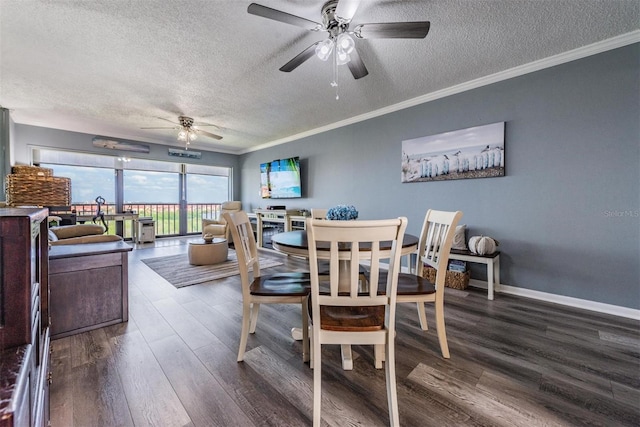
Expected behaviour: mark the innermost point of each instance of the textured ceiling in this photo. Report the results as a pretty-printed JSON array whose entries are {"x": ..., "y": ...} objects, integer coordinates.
[{"x": 111, "y": 67}]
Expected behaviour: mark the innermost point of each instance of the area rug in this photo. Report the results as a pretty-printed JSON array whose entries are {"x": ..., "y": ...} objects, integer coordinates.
[{"x": 176, "y": 269}]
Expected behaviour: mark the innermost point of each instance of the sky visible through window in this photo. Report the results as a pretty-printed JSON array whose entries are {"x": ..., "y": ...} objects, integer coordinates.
[
  {"x": 207, "y": 188},
  {"x": 87, "y": 183},
  {"x": 150, "y": 187}
]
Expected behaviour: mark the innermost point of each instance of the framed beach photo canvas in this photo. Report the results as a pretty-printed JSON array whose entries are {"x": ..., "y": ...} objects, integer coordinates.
[{"x": 476, "y": 152}]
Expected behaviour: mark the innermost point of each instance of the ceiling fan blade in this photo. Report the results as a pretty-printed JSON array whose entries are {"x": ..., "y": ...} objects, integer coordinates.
[
  {"x": 346, "y": 9},
  {"x": 209, "y": 134},
  {"x": 356, "y": 66},
  {"x": 300, "y": 58},
  {"x": 393, "y": 30},
  {"x": 161, "y": 127},
  {"x": 200, "y": 124},
  {"x": 167, "y": 120},
  {"x": 287, "y": 18}
]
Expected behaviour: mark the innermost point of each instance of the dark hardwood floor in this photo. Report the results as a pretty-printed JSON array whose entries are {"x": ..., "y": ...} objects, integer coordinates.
[{"x": 514, "y": 362}]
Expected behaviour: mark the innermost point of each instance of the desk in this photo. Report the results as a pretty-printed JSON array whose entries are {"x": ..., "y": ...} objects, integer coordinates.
[
  {"x": 295, "y": 243},
  {"x": 119, "y": 217},
  {"x": 492, "y": 261}
]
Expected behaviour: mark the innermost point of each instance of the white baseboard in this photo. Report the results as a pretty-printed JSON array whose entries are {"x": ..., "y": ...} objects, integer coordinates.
[
  {"x": 563, "y": 300},
  {"x": 599, "y": 307}
]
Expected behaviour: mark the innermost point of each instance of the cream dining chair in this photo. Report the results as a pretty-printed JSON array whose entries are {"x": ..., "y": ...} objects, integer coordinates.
[
  {"x": 319, "y": 213},
  {"x": 277, "y": 288},
  {"x": 343, "y": 313},
  {"x": 324, "y": 268},
  {"x": 434, "y": 246}
]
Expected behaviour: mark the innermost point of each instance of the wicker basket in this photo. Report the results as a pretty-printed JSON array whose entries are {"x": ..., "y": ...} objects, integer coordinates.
[
  {"x": 31, "y": 170},
  {"x": 38, "y": 190},
  {"x": 453, "y": 279}
]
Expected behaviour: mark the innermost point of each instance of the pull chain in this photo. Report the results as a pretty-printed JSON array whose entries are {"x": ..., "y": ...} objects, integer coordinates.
[{"x": 334, "y": 83}]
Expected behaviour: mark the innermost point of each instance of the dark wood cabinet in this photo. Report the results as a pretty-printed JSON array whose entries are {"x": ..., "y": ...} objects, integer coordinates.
[
  {"x": 89, "y": 286},
  {"x": 24, "y": 317}
]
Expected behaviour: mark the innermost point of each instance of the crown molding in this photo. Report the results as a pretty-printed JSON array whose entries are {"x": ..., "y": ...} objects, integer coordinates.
[{"x": 551, "y": 61}]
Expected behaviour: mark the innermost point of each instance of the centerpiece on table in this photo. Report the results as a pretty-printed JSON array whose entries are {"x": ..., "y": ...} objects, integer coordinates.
[{"x": 342, "y": 213}]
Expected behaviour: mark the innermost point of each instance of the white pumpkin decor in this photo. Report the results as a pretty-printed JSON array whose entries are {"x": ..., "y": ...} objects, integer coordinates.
[{"x": 482, "y": 245}]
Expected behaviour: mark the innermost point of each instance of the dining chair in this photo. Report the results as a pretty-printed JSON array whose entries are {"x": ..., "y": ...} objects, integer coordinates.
[
  {"x": 317, "y": 213},
  {"x": 277, "y": 288},
  {"x": 342, "y": 312},
  {"x": 434, "y": 246}
]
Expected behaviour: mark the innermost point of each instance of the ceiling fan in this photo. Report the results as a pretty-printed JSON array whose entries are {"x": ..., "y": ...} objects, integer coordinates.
[
  {"x": 188, "y": 129},
  {"x": 336, "y": 17}
]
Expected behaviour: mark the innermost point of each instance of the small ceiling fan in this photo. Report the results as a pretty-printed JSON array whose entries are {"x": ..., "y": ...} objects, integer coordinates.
[
  {"x": 188, "y": 129},
  {"x": 336, "y": 17}
]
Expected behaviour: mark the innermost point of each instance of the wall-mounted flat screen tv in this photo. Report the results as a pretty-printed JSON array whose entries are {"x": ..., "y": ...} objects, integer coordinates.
[{"x": 280, "y": 179}]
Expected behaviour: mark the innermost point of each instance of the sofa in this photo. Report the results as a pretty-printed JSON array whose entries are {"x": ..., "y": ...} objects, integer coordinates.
[
  {"x": 218, "y": 227},
  {"x": 79, "y": 233}
]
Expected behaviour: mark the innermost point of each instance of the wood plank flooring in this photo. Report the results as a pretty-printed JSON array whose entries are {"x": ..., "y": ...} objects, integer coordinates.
[{"x": 514, "y": 362}]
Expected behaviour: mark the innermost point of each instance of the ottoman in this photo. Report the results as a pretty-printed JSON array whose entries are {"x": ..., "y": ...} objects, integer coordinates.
[{"x": 205, "y": 253}]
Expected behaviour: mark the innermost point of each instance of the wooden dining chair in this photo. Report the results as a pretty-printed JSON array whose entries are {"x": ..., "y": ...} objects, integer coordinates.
[
  {"x": 317, "y": 213},
  {"x": 277, "y": 288},
  {"x": 341, "y": 311},
  {"x": 434, "y": 246}
]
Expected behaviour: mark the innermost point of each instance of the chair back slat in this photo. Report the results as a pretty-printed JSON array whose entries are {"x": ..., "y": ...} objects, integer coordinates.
[{"x": 374, "y": 268}]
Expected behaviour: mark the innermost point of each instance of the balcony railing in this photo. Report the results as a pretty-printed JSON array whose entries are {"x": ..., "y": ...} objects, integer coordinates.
[{"x": 165, "y": 215}]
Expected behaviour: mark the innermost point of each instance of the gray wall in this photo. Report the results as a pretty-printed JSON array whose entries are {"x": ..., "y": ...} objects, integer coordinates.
[
  {"x": 566, "y": 214},
  {"x": 30, "y": 136}
]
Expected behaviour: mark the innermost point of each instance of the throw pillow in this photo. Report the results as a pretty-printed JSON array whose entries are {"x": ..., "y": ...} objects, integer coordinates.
[
  {"x": 459, "y": 240},
  {"x": 78, "y": 230}
]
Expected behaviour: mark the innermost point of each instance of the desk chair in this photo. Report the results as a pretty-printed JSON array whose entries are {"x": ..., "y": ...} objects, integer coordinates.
[
  {"x": 342, "y": 313},
  {"x": 278, "y": 288}
]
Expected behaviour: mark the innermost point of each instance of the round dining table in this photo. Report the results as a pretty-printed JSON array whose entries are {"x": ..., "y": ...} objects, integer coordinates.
[{"x": 296, "y": 243}]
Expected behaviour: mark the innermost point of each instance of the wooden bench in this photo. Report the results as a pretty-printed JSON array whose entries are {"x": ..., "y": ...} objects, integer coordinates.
[{"x": 492, "y": 261}]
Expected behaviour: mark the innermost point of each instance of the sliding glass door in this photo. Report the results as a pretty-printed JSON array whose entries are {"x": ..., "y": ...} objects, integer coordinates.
[
  {"x": 204, "y": 183},
  {"x": 176, "y": 195},
  {"x": 156, "y": 195}
]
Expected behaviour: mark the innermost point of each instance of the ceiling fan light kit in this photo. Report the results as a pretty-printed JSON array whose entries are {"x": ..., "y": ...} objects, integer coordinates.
[
  {"x": 336, "y": 17},
  {"x": 188, "y": 130},
  {"x": 187, "y": 133},
  {"x": 324, "y": 49},
  {"x": 346, "y": 43}
]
